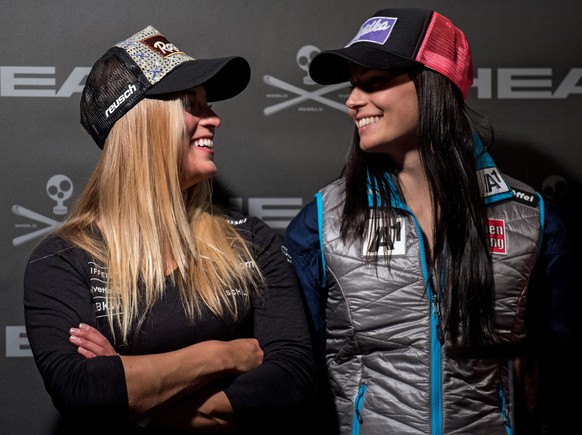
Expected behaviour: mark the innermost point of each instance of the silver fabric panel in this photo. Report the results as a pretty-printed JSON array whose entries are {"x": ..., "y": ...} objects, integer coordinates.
[{"x": 378, "y": 330}]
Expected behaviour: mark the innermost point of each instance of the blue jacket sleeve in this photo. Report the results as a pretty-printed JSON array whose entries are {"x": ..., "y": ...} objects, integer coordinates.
[
  {"x": 303, "y": 245},
  {"x": 557, "y": 268}
]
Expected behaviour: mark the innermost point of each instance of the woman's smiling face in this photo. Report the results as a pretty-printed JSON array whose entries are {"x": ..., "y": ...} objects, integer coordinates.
[
  {"x": 384, "y": 107},
  {"x": 198, "y": 148}
]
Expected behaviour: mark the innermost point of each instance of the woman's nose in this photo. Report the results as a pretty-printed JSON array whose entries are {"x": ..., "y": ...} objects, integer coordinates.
[
  {"x": 210, "y": 118},
  {"x": 355, "y": 99}
]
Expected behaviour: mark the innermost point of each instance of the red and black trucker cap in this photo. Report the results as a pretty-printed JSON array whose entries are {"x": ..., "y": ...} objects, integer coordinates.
[
  {"x": 401, "y": 39},
  {"x": 148, "y": 65}
]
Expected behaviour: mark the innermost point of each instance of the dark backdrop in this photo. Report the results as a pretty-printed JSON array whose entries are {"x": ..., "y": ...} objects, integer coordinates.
[{"x": 273, "y": 150}]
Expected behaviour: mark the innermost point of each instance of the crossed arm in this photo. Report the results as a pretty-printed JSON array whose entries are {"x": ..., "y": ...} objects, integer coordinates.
[{"x": 174, "y": 388}]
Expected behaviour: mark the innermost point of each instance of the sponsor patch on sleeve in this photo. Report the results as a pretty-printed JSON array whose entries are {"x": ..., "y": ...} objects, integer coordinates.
[
  {"x": 491, "y": 182},
  {"x": 497, "y": 239},
  {"x": 526, "y": 198}
]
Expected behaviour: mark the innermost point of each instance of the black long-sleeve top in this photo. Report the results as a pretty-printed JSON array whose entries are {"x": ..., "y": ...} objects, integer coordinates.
[{"x": 63, "y": 287}]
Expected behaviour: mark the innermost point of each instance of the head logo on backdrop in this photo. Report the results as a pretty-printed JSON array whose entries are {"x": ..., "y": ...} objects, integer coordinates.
[
  {"x": 302, "y": 96},
  {"x": 59, "y": 188},
  {"x": 512, "y": 83}
]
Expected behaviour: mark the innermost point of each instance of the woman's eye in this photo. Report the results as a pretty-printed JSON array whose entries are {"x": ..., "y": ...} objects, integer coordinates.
[
  {"x": 197, "y": 107},
  {"x": 371, "y": 85}
]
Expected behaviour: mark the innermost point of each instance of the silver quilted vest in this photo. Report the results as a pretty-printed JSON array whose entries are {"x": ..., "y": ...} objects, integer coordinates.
[{"x": 388, "y": 372}]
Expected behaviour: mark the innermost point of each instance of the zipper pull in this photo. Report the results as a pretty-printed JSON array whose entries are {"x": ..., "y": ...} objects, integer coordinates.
[{"x": 439, "y": 318}]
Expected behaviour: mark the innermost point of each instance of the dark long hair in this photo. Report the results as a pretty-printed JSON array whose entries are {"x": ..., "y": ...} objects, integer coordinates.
[{"x": 461, "y": 253}]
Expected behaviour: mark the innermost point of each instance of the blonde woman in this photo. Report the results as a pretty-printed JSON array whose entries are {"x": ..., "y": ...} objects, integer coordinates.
[{"x": 150, "y": 308}]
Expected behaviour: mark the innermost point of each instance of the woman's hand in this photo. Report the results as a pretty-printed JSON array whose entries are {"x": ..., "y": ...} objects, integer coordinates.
[
  {"x": 208, "y": 411},
  {"x": 244, "y": 353},
  {"x": 90, "y": 342}
]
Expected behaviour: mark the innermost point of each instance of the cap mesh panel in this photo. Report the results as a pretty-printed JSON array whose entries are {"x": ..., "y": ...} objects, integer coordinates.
[
  {"x": 446, "y": 50},
  {"x": 111, "y": 78}
]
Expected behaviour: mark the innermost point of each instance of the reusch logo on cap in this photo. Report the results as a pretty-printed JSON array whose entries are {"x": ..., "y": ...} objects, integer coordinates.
[
  {"x": 161, "y": 45},
  {"x": 131, "y": 89},
  {"x": 376, "y": 30}
]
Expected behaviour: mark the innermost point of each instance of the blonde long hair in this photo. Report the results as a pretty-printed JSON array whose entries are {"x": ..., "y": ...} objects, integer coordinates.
[{"x": 132, "y": 216}]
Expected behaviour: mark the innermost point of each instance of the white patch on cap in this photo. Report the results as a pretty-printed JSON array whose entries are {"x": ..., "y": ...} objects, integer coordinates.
[
  {"x": 153, "y": 53},
  {"x": 375, "y": 30}
]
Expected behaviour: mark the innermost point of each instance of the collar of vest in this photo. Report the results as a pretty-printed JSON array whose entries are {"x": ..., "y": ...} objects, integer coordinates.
[{"x": 492, "y": 184}]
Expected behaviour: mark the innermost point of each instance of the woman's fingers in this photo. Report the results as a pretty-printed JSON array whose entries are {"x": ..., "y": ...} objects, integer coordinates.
[{"x": 90, "y": 341}]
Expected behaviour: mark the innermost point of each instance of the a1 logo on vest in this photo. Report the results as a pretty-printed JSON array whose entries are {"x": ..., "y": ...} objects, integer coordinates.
[
  {"x": 384, "y": 238},
  {"x": 491, "y": 182}
]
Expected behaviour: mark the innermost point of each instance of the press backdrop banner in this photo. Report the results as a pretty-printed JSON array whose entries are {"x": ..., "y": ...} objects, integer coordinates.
[{"x": 281, "y": 139}]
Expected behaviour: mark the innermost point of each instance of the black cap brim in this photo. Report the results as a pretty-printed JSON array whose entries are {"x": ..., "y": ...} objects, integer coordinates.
[
  {"x": 332, "y": 66},
  {"x": 222, "y": 78}
]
